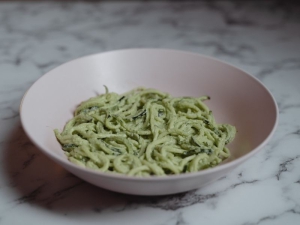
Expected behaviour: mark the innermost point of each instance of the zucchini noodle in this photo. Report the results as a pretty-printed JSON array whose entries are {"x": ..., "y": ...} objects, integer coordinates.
[{"x": 145, "y": 132}]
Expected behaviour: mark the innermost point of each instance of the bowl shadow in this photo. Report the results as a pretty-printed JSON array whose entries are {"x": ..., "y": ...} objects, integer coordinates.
[{"x": 37, "y": 180}]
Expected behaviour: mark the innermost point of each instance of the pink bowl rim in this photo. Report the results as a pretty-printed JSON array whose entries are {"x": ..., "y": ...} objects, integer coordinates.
[{"x": 224, "y": 166}]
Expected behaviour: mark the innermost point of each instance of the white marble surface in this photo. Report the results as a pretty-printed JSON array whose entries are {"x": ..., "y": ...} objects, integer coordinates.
[{"x": 263, "y": 39}]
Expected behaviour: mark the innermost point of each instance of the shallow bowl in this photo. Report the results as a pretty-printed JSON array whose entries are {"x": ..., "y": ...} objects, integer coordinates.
[{"x": 237, "y": 98}]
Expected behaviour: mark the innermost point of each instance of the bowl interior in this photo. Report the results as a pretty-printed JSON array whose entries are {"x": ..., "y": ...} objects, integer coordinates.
[{"x": 236, "y": 97}]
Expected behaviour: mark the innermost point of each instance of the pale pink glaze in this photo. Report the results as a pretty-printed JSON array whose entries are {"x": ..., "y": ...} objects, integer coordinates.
[{"x": 236, "y": 98}]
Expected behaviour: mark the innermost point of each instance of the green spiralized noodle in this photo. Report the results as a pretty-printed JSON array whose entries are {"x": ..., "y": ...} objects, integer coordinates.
[{"x": 145, "y": 132}]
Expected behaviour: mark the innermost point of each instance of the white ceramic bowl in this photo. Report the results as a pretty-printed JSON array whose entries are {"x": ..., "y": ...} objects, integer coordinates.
[{"x": 236, "y": 98}]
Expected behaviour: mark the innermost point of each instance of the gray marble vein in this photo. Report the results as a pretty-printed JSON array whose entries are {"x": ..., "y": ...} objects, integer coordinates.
[{"x": 262, "y": 38}]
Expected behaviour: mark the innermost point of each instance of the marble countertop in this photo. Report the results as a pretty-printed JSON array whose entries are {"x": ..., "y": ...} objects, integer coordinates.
[{"x": 263, "y": 39}]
